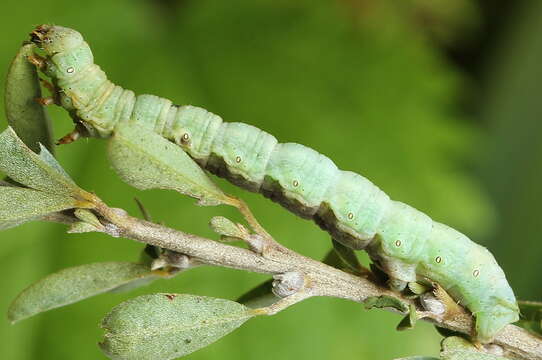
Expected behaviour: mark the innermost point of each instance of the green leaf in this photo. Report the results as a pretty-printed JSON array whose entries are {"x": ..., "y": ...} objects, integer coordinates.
[
  {"x": 530, "y": 309},
  {"x": 385, "y": 301},
  {"x": 408, "y": 321},
  {"x": 4, "y": 225},
  {"x": 146, "y": 160},
  {"x": 81, "y": 227},
  {"x": 48, "y": 158},
  {"x": 348, "y": 256},
  {"x": 458, "y": 348},
  {"x": 40, "y": 172},
  {"x": 167, "y": 326},
  {"x": 28, "y": 118},
  {"x": 72, "y": 285},
  {"x": 7, "y": 224},
  {"x": 226, "y": 227},
  {"x": 418, "y": 288},
  {"x": 333, "y": 259},
  {"x": 260, "y": 296},
  {"x": 88, "y": 217},
  {"x": 22, "y": 204},
  {"x": 531, "y": 316}
]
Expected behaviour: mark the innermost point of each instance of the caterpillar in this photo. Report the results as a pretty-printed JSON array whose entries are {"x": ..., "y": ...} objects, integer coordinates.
[{"x": 405, "y": 243}]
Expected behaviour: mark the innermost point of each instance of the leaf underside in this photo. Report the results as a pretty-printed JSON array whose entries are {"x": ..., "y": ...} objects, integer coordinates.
[
  {"x": 74, "y": 284},
  {"x": 145, "y": 160},
  {"x": 167, "y": 326}
]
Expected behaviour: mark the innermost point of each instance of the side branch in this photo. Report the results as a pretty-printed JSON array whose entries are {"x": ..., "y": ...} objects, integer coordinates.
[{"x": 320, "y": 279}]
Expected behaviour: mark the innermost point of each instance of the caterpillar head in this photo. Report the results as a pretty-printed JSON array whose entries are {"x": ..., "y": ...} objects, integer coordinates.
[
  {"x": 66, "y": 50},
  {"x": 55, "y": 39}
]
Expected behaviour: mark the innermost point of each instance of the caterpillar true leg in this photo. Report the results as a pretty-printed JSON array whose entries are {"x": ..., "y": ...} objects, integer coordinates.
[{"x": 69, "y": 138}]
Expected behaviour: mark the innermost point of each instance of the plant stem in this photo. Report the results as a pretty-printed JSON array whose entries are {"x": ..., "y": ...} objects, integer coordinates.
[{"x": 320, "y": 279}]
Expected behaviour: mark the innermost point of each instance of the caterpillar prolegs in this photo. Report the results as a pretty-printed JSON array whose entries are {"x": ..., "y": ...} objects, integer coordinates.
[{"x": 405, "y": 242}]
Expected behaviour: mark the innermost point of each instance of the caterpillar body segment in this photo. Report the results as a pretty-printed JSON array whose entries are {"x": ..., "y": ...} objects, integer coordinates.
[{"x": 403, "y": 241}]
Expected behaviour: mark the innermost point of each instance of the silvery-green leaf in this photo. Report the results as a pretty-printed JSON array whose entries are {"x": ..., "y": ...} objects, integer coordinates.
[
  {"x": 20, "y": 204},
  {"x": 88, "y": 217},
  {"x": 137, "y": 283},
  {"x": 531, "y": 316},
  {"x": 168, "y": 326},
  {"x": 226, "y": 227},
  {"x": 418, "y": 358},
  {"x": 146, "y": 160},
  {"x": 260, "y": 296},
  {"x": 74, "y": 284},
  {"x": 28, "y": 118},
  {"x": 30, "y": 169},
  {"x": 333, "y": 259},
  {"x": 7, "y": 224},
  {"x": 46, "y": 156},
  {"x": 6, "y": 183},
  {"x": 409, "y": 320},
  {"x": 4, "y": 225},
  {"x": 458, "y": 348},
  {"x": 385, "y": 301},
  {"x": 349, "y": 257},
  {"x": 81, "y": 227},
  {"x": 417, "y": 288}
]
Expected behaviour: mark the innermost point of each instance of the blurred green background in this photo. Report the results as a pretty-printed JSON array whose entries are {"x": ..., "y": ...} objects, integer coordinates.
[{"x": 437, "y": 102}]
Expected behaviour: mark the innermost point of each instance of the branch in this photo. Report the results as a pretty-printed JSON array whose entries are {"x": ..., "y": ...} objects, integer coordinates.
[{"x": 312, "y": 278}]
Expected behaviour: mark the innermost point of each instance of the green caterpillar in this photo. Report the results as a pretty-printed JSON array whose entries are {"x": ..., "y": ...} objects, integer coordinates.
[{"x": 403, "y": 241}]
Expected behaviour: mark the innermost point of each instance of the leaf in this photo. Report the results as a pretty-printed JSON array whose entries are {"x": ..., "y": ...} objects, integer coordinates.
[
  {"x": 72, "y": 285},
  {"x": 28, "y": 118},
  {"x": 81, "y": 227},
  {"x": 260, "y": 296},
  {"x": 458, "y": 348},
  {"x": 530, "y": 309},
  {"x": 146, "y": 160},
  {"x": 47, "y": 157},
  {"x": 22, "y": 204},
  {"x": 88, "y": 217},
  {"x": 531, "y": 316},
  {"x": 333, "y": 259},
  {"x": 4, "y": 225},
  {"x": 349, "y": 257},
  {"x": 167, "y": 326},
  {"x": 418, "y": 288},
  {"x": 408, "y": 321},
  {"x": 40, "y": 172},
  {"x": 7, "y": 224},
  {"x": 226, "y": 227},
  {"x": 384, "y": 301},
  {"x": 418, "y": 358}
]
